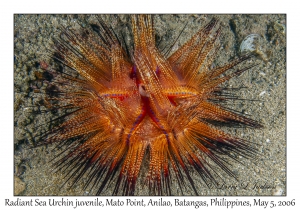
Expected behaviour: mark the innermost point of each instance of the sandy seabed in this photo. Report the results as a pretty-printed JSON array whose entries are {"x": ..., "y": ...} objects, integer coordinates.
[{"x": 266, "y": 82}]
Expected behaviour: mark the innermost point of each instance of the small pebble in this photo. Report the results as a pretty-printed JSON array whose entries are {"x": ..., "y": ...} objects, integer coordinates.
[
  {"x": 278, "y": 191},
  {"x": 262, "y": 73},
  {"x": 262, "y": 93},
  {"x": 250, "y": 43}
]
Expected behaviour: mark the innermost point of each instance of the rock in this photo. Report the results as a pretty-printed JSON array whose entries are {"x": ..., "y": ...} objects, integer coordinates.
[{"x": 278, "y": 191}]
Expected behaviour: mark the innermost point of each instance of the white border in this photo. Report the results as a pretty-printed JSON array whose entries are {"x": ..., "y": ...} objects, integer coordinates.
[{"x": 8, "y": 8}]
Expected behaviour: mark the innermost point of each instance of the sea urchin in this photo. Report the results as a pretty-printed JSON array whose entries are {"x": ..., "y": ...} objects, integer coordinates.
[{"x": 131, "y": 107}]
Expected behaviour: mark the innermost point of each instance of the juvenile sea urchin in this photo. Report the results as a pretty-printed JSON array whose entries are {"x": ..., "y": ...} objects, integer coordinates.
[{"x": 131, "y": 107}]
